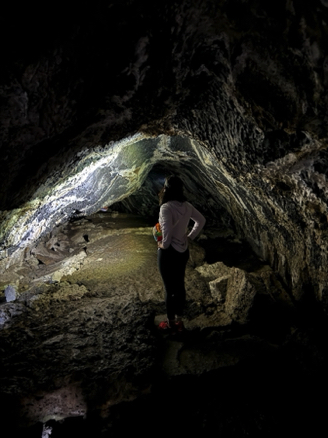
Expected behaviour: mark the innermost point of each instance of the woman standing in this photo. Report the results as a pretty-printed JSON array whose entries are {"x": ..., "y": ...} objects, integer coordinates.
[{"x": 173, "y": 252}]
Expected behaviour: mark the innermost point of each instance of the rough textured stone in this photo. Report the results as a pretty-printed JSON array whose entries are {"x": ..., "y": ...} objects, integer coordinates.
[
  {"x": 108, "y": 291},
  {"x": 10, "y": 293},
  {"x": 87, "y": 346}
]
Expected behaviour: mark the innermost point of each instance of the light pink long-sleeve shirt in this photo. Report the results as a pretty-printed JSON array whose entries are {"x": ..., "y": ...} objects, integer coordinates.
[{"x": 174, "y": 218}]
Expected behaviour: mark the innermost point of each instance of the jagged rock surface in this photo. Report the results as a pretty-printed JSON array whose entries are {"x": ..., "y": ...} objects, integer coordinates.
[{"x": 81, "y": 340}]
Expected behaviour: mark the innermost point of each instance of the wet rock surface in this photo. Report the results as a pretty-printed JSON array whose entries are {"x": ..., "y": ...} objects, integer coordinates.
[{"x": 80, "y": 350}]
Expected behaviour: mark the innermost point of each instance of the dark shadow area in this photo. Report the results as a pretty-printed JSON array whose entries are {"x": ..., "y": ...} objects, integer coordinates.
[
  {"x": 261, "y": 397},
  {"x": 231, "y": 253}
]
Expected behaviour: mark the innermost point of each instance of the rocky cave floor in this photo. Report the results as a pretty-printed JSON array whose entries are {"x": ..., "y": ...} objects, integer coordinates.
[{"x": 81, "y": 354}]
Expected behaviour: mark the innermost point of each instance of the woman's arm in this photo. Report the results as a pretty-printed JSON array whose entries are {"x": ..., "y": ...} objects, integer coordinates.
[
  {"x": 199, "y": 220},
  {"x": 165, "y": 221}
]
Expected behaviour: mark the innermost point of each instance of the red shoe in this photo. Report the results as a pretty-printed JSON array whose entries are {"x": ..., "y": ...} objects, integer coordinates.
[
  {"x": 164, "y": 325},
  {"x": 179, "y": 326}
]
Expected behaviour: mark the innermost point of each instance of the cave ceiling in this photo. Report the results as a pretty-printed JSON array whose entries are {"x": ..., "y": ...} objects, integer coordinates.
[{"x": 99, "y": 102}]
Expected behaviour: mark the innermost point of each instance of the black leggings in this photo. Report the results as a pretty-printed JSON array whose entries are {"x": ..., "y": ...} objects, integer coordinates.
[{"x": 172, "y": 267}]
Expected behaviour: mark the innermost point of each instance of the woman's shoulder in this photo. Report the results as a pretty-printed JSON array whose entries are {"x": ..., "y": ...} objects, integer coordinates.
[
  {"x": 165, "y": 207},
  {"x": 174, "y": 204},
  {"x": 168, "y": 204}
]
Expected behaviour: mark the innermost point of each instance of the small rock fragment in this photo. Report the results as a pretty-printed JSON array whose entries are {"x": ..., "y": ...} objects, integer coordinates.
[{"x": 10, "y": 293}]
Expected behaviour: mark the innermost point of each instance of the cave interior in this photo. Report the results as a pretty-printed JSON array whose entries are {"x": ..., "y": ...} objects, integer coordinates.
[{"x": 99, "y": 103}]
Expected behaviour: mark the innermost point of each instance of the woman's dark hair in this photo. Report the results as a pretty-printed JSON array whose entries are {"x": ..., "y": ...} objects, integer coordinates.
[{"x": 172, "y": 190}]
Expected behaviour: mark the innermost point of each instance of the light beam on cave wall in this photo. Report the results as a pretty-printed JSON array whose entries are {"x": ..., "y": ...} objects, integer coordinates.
[
  {"x": 96, "y": 178},
  {"x": 107, "y": 175}
]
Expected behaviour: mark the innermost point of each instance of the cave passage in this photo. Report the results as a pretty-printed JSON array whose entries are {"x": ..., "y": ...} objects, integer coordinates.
[
  {"x": 86, "y": 298},
  {"x": 131, "y": 172},
  {"x": 125, "y": 177}
]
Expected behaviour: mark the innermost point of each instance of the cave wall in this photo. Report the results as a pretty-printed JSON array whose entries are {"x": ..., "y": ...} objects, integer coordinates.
[{"x": 246, "y": 80}]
